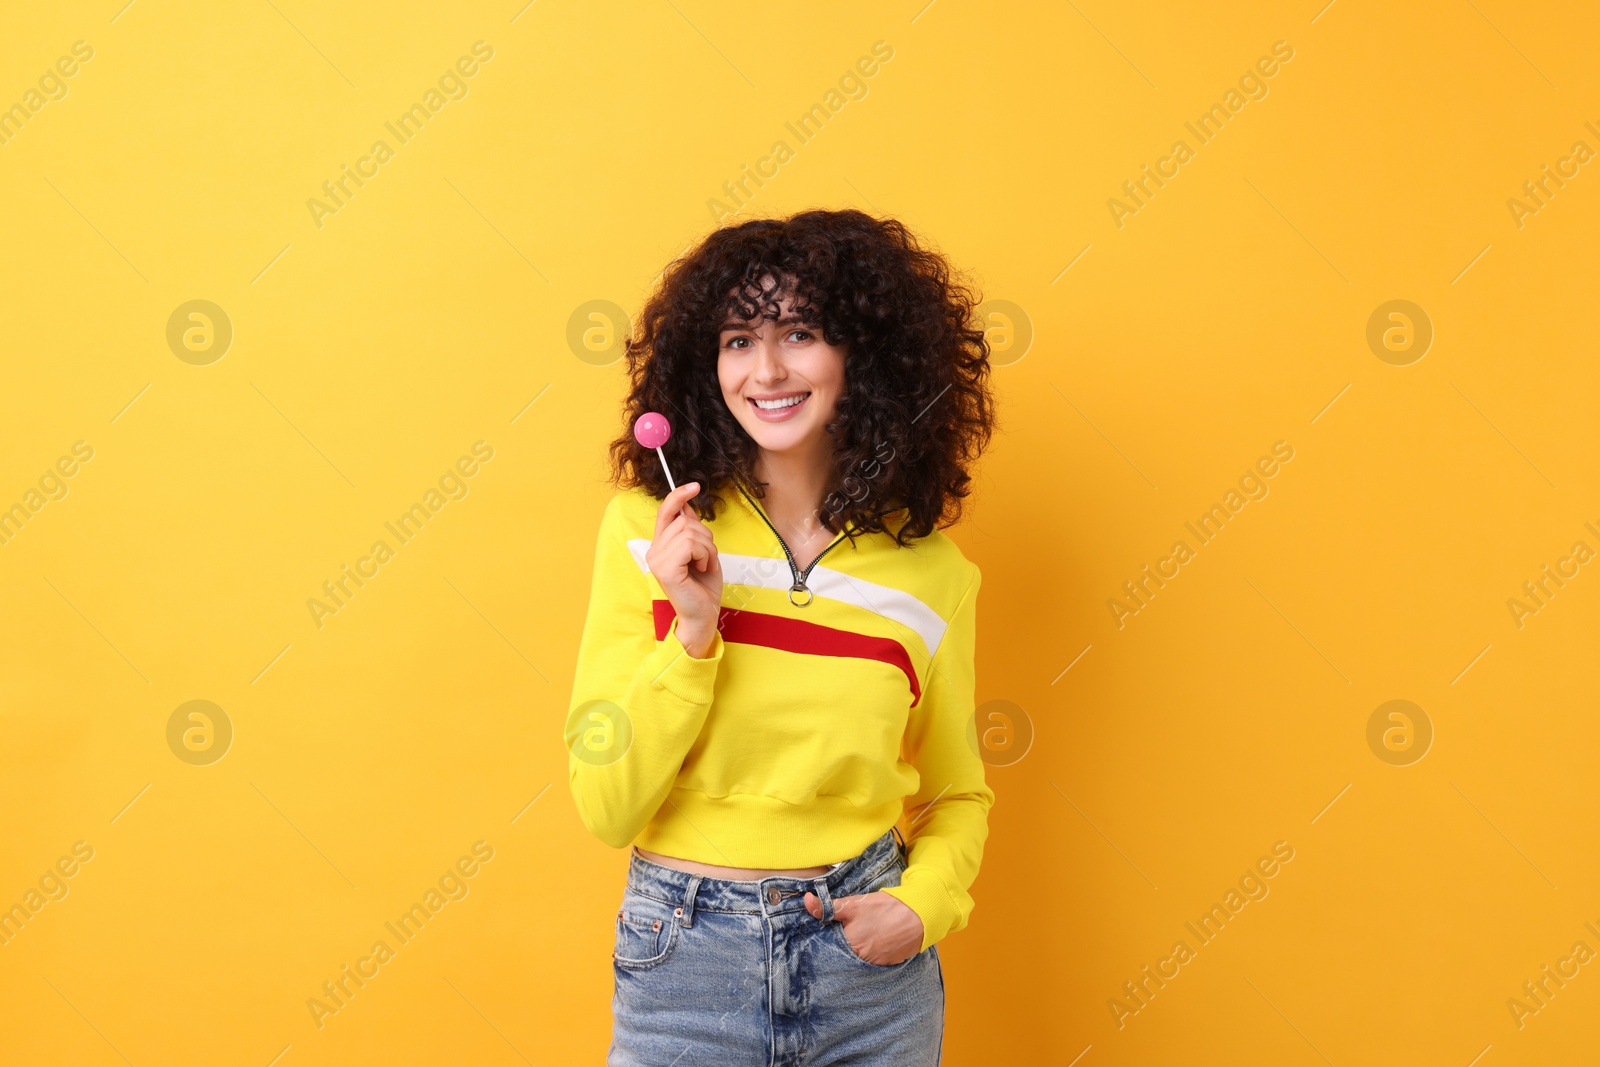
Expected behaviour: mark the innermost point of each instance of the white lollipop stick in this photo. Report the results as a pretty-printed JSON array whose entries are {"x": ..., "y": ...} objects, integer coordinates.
[{"x": 664, "y": 467}]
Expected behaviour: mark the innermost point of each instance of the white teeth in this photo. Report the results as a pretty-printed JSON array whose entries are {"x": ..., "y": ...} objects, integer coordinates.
[{"x": 775, "y": 405}]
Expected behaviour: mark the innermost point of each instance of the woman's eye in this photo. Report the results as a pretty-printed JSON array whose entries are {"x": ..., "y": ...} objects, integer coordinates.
[{"x": 802, "y": 333}]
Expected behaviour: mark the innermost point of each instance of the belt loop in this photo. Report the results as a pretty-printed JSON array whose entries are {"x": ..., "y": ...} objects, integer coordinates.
[
  {"x": 687, "y": 909},
  {"x": 905, "y": 850},
  {"x": 820, "y": 887}
]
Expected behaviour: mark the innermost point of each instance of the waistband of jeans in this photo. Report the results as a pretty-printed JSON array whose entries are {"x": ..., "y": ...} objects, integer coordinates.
[{"x": 730, "y": 894}]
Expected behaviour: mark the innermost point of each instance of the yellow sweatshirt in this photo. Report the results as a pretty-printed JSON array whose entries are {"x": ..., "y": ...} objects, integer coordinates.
[{"x": 806, "y": 731}]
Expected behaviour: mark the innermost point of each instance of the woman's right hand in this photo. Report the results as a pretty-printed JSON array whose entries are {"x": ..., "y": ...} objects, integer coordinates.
[{"x": 683, "y": 558}]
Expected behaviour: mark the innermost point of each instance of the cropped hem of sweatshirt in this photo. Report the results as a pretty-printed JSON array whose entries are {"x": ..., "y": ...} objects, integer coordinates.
[{"x": 804, "y": 732}]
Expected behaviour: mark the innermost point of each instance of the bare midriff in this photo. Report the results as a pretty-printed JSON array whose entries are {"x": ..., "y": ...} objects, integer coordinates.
[{"x": 741, "y": 874}]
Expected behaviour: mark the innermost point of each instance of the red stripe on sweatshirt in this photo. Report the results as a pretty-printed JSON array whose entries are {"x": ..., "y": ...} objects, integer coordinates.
[{"x": 795, "y": 635}]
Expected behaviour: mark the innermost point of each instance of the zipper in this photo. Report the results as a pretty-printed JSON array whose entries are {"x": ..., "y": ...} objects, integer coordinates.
[{"x": 800, "y": 576}]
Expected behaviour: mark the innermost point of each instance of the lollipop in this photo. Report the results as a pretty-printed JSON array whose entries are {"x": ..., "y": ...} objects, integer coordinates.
[{"x": 652, "y": 431}]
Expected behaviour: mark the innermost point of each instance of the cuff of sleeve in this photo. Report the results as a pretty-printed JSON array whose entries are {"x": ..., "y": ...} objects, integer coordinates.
[
  {"x": 922, "y": 890},
  {"x": 685, "y": 677}
]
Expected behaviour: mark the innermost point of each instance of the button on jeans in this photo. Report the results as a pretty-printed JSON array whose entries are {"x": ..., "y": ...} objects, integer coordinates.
[{"x": 716, "y": 971}]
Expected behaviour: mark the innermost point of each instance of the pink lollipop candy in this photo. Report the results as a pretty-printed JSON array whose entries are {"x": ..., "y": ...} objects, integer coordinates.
[{"x": 652, "y": 431}]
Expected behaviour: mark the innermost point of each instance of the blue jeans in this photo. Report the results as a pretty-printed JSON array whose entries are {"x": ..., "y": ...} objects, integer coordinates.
[{"x": 715, "y": 971}]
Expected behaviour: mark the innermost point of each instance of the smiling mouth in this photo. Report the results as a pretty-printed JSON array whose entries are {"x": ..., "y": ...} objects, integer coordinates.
[
  {"x": 779, "y": 409},
  {"x": 780, "y": 404}
]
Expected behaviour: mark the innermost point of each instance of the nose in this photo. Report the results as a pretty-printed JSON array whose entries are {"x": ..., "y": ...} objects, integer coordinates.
[{"x": 769, "y": 360}]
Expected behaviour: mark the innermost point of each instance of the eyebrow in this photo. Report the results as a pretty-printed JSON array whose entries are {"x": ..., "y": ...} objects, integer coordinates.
[{"x": 743, "y": 323}]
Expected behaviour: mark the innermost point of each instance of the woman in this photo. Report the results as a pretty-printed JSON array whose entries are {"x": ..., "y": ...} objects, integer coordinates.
[{"x": 777, "y": 662}]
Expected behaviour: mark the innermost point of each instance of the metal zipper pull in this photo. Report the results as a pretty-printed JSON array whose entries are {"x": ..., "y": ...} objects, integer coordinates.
[{"x": 800, "y": 576}]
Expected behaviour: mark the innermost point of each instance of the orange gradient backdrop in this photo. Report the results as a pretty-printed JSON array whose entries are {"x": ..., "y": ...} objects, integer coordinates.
[{"x": 253, "y": 317}]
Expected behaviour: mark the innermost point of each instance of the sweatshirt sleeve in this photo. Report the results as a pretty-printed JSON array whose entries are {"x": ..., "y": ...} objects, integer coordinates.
[
  {"x": 638, "y": 704},
  {"x": 948, "y": 816}
]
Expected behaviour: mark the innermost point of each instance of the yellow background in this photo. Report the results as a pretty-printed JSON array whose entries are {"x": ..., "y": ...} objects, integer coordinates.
[{"x": 432, "y": 311}]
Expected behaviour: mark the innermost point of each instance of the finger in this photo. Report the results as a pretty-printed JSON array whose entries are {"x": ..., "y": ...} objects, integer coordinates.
[
  {"x": 672, "y": 505},
  {"x": 668, "y": 543},
  {"x": 683, "y": 545},
  {"x": 660, "y": 549},
  {"x": 684, "y": 520},
  {"x": 703, "y": 549},
  {"x": 813, "y": 905},
  {"x": 666, "y": 554},
  {"x": 712, "y": 562},
  {"x": 675, "y": 505},
  {"x": 699, "y": 552},
  {"x": 687, "y": 519},
  {"x": 679, "y": 540}
]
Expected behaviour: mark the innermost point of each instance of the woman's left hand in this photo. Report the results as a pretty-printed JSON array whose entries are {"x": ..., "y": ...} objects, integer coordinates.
[{"x": 881, "y": 927}]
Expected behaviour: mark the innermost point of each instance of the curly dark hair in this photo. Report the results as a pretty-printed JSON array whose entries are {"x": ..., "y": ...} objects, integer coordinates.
[{"x": 916, "y": 410}]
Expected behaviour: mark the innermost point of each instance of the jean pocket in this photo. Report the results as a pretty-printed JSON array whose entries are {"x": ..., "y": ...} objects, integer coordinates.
[
  {"x": 850, "y": 950},
  {"x": 886, "y": 877},
  {"x": 647, "y": 932}
]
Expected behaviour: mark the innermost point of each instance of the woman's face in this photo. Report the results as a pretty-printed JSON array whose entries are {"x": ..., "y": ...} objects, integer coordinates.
[{"x": 765, "y": 366}]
